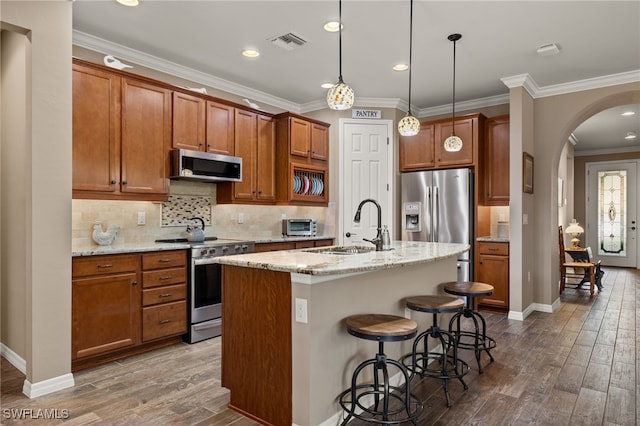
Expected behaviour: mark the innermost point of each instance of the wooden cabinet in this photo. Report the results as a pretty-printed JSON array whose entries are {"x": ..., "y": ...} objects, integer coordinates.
[
  {"x": 425, "y": 151},
  {"x": 291, "y": 245},
  {"x": 202, "y": 125},
  {"x": 121, "y": 136},
  {"x": 105, "y": 308},
  {"x": 495, "y": 174},
  {"x": 255, "y": 143},
  {"x": 302, "y": 153},
  {"x": 492, "y": 267},
  {"x": 126, "y": 303},
  {"x": 164, "y": 305}
]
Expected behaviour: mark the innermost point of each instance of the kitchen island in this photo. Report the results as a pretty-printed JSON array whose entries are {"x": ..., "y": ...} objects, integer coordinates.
[{"x": 286, "y": 354}]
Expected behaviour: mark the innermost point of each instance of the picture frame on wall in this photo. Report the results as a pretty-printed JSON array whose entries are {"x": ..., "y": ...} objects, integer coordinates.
[{"x": 527, "y": 173}]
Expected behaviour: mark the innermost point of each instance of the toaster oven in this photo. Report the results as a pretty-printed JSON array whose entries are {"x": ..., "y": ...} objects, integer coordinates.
[{"x": 299, "y": 227}]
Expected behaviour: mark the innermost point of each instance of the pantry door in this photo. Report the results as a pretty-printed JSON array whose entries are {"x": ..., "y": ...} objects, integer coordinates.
[
  {"x": 366, "y": 171},
  {"x": 612, "y": 189}
]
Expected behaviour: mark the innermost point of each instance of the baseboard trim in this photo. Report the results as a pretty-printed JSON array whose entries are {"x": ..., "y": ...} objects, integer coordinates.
[
  {"x": 540, "y": 307},
  {"x": 33, "y": 390},
  {"x": 14, "y": 359}
]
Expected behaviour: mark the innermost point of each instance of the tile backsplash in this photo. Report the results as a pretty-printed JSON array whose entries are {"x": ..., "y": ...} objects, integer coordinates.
[{"x": 186, "y": 200}]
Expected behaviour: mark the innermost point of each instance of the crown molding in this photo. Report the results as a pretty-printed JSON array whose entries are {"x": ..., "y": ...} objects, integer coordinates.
[
  {"x": 589, "y": 152},
  {"x": 131, "y": 55},
  {"x": 464, "y": 105}
]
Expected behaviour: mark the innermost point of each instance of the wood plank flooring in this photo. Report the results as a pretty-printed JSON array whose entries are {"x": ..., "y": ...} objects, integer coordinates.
[{"x": 578, "y": 366}]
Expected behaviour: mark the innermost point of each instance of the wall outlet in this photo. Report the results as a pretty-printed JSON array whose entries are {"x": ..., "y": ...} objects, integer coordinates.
[
  {"x": 528, "y": 276},
  {"x": 301, "y": 310},
  {"x": 240, "y": 217},
  {"x": 142, "y": 218}
]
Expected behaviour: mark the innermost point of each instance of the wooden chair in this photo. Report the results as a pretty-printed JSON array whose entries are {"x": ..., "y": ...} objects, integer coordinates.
[{"x": 567, "y": 269}]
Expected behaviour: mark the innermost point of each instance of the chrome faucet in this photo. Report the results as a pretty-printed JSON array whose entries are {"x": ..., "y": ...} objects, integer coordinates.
[{"x": 377, "y": 241}]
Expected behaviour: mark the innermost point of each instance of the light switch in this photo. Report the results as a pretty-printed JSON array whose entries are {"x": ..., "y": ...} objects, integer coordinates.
[
  {"x": 525, "y": 219},
  {"x": 240, "y": 217},
  {"x": 301, "y": 310},
  {"x": 142, "y": 218}
]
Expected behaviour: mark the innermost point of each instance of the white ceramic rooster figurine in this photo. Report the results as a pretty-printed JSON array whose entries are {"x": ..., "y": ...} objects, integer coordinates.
[
  {"x": 112, "y": 62},
  {"x": 104, "y": 238}
]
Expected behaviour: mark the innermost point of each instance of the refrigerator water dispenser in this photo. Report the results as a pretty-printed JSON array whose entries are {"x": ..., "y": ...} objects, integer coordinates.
[{"x": 411, "y": 213}]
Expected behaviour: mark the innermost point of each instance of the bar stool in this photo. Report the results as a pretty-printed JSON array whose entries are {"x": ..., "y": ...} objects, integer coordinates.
[
  {"x": 448, "y": 366},
  {"x": 476, "y": 340},
  {"x": 397, "y": 401}
]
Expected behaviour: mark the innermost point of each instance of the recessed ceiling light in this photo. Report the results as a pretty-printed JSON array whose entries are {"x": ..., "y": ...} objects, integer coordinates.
[
  {"x": 400, "y": 67},
  {"x": 333, "y": 26},
  {"x": 631, "y": 136},
  {"x": 628, "y": 113},
  {"x": 327, "y": 85},
  {"x": 250, "y": 53},
  {"x": 128, "y": 2}
]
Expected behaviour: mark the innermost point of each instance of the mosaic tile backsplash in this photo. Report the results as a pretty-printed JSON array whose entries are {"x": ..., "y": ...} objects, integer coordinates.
[{"x": 179, "y": 209}]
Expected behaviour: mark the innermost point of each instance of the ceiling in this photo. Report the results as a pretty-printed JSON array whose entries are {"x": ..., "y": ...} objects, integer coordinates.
[{"x": 597, "y": 39}]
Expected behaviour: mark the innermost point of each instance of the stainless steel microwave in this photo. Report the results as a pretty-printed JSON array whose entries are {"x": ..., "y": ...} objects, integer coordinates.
[
  {"x": 205, "y": 166},
  {"x": 299, "y": 227}
]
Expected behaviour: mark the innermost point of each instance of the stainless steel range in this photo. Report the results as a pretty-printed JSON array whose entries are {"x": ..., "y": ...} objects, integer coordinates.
[{"x": 205, "y": 285}]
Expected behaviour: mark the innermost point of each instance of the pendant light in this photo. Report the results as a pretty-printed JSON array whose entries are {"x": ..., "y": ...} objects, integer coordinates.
[
  {"x": 340, "y": 96},
  {"x": 453, "y": 143},
  {"x": 409, "y": 125}
]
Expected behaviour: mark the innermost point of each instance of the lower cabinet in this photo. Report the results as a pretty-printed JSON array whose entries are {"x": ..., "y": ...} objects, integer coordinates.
[
  {"x": 126, "y": 303},
  {"x": 492, "y": 267},
  {"x": 292, "y": 245}
]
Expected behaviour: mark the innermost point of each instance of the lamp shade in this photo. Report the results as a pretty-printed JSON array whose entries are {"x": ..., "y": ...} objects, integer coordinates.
[
  {"x": 340, "y": 96},
  {"x": 409, "y": 126},
  {"x": 575, "y": 231}
]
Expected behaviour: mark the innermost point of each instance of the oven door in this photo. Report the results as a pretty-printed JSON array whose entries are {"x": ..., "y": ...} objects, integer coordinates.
[{"x": 206, "y": 290}]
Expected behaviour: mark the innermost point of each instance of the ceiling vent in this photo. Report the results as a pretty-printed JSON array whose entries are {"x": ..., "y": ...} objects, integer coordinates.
[{"x": 288, "y": 41}]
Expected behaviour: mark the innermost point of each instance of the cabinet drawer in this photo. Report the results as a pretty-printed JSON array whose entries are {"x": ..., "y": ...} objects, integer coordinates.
[
  {"x": 164, "y": 259},
  {"x": 164, "y": 294},
  {"x": 499, "y": 249},
  {"x": 164, "y": 277},
  {"x": 164, "y": 320},
  {"x": 103, "y": 265}
]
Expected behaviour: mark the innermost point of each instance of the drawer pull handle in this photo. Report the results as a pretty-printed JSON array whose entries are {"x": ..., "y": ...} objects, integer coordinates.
[
  {"x": 106, "y": 265},
  {"x": 164, "y": 260},
  {"x": 166, "y": 277},
  {"x": 165, "y": 321},
  {"x": 492, "y": 249},
  {"x": 165, "y": 295}
]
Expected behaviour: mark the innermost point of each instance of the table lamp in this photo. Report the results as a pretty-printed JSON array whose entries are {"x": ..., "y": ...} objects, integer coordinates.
[{"x": 575, "y": 231}]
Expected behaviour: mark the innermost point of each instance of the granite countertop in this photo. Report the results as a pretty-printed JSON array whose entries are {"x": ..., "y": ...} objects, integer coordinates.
[
  {"x": 92, "y": 249},
  {"x": 492, "y": 239},
  {"x": 306, "y": 261}
]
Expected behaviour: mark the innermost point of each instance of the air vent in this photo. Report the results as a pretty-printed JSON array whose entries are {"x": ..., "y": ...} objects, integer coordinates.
[{"x": 288, "y": 41}]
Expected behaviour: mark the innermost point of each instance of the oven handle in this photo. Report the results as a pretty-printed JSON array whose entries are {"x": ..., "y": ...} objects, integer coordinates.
[
  {"x": 204, "y": 261},
  {"x": 207, "y": 325}
]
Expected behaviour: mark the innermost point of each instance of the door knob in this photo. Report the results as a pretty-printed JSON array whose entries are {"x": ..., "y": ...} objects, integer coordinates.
[{"x": 349, "y": 234}]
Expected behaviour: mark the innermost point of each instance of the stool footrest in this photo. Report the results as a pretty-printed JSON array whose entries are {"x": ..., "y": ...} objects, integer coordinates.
[{"x": 366, "y": 393}]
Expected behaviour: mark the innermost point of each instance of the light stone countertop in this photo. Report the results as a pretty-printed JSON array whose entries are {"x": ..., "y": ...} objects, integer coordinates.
[
  {"x": 492, "y": 239},
  {"x": 302, "y": 261}
]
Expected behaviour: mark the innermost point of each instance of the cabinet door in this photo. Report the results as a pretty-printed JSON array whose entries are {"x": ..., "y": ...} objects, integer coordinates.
[
  {"x": 466, "y": 129},
  {"x": 245, "y": 143},
  {"x": 188, "y": 121},
  {"x": 496, "y": 170},
  {"x": 146, "y": 138},
  {"x": 96, "y": 130},
  {"x": 494, "y": 270},
  {"x": 220, "y": 128},
  {"x": 105, "y": 314},
  {"x": 300, "y": 134},
  {"x": 319, "y": 142},
  {"x": 266, "y": 159},
  {"x": 416, "y": 152}
]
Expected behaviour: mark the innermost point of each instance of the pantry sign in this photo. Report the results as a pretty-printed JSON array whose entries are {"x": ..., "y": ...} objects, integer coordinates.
[{"x": 366, "y": 113}]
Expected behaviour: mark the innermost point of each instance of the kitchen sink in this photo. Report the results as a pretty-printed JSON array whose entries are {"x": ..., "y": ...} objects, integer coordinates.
[{"x": 341, "y": 250}]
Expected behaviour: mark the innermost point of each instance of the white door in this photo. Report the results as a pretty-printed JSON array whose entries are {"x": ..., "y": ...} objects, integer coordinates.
[
  {"x": 366, "y": 171},
  {"x": 611, "y": 212}
]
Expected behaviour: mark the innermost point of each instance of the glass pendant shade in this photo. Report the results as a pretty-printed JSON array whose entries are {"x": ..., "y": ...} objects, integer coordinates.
[
  {"x": 340, "y": 96},
  {"x": 409, "y": 126}
]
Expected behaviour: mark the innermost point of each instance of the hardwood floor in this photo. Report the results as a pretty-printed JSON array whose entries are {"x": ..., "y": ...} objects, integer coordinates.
[{"x": 578, "y": 366}]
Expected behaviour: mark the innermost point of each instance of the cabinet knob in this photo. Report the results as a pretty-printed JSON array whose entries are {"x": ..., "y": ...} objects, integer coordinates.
[
  {"x": 124, "y": 182},
  {"x": 113, "y": 182},
  {"x": 134, "y": 282}
]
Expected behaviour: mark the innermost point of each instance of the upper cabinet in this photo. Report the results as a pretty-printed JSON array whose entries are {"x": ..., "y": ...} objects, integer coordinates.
[
  {"x": 121, "y": 134},
  {"x": 425, "y": 150},
  {"x": 202, "y": 125},
  {"x": 496, "y": 161},
  {"x": 255, "y": 143},
  {"x": 302, "y": 160}
]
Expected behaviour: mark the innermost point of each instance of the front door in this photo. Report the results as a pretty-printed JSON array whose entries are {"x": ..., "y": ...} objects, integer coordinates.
[
  {"x": 366, "y": 170},
  {"x": 611, "y": 212}
]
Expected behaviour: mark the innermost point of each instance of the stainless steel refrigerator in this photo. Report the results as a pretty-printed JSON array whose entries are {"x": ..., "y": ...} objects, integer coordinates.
[{"x": 438, "y": 206}]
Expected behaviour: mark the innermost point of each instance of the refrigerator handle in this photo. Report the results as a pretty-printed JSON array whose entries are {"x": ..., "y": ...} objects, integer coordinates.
[
  {"x": 430, "y": 210},
  {"x": 436, "y": 211}
]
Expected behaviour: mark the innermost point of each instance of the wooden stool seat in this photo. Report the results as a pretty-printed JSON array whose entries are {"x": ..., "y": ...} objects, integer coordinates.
[
  {"x": 468, "y": 288},
  {"x": 381, "y": 327},
  {"x": 434, "y": 304}
]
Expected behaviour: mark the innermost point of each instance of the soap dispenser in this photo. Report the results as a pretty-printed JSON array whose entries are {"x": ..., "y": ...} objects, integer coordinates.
[{"x": 386, "y": 240}]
